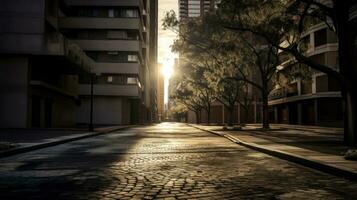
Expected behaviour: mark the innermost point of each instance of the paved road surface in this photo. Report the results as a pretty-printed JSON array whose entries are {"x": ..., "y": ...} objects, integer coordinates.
[{"x": 168, "y": 161}]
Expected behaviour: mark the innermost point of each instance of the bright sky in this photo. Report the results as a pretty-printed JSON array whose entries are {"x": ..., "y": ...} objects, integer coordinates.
[{"x": 166, "y": 38}]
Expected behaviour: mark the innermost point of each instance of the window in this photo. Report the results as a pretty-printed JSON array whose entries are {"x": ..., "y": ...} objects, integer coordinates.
[
  {"x": 131, "y": 80},
  {"x": 129, "y": 13},
  {"x": 305, "y": 43},
  {"x": 111, "y": 13},
  {"x": 116, "y": 35},
  {"x": 109, "y": 79},
  {"x": 113, "y": 56},
  {"x": 132, "y": 35},
  {"x": 320, "y": 37},
  {"x": 112, "y": 53},
  {"x": 132, "y": 58},
  {"x": 95, "y": 13},
  {"x": 322, "y": 83}
]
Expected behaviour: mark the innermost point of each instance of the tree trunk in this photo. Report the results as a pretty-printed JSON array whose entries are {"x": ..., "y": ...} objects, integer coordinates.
[
  {"x": 350, "y": 118},
  {"x": 197, "y": 117},
  {"x": 348, "y": 70},
  {"x": 230, "y": 116},
  {"x": 246, "y": 113},
  {"x": 265, "y": 111},
  {"x": 209, "y": 114}
]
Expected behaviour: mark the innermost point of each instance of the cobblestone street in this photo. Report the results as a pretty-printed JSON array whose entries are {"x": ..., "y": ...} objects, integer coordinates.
[{"x": 168, "y": 161}]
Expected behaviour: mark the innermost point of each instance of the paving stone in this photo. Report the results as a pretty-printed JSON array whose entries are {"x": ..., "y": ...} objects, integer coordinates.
[{"x": 167, "y": 161}]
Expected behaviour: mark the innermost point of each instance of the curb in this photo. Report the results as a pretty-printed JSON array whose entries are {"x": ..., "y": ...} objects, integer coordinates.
[
  {"x": 57, "y": 142},
  {"x": 314, "y": 164}
]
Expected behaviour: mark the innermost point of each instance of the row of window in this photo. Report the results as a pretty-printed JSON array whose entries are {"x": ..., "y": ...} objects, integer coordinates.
[
  {"x": 114, "y": 56},
  {"x": 324, "y": 83},
  {"x": 103, "y": 34},
  {"x": 115, "y": 79},
  {"x": 321, "y": 37},
  {"x": 105, "y": 12}
]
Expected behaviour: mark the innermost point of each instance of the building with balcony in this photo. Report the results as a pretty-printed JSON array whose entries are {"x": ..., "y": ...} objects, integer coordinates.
[
  {"x": 315, "y": 98},
  {"x": 121, "y": 38},
  {"x": 39, "y": 67}
]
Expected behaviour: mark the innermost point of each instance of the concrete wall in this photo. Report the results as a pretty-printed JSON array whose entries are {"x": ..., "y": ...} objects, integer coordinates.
[
  {"x": 99, "y": 23},
  {"x": 131, "y": 90},
  {"x": 22, "y": 26},
  {"x": 63, "y": 112},
  {"x": 108, "y": 45},
  {"x": 106, "y": 111},
  {"x": 126, "y": 112},
  {"x": 117, "y": 68},
  {"x": 13, "y": 92}
]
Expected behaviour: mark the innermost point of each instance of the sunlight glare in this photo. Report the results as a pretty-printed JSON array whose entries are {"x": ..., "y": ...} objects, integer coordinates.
[{"x": 167, "y": 69}]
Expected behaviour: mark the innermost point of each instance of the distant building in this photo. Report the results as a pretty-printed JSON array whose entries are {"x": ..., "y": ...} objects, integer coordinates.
[
  {"x": 194, "y": 8},
  {"x": 160, "y": 94}
]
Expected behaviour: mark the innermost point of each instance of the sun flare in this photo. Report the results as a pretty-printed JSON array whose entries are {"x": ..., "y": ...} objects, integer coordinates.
[{"x": 167, "y": 69}]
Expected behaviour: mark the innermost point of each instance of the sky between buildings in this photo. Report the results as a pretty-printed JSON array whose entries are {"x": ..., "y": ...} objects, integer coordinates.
[{"x": 166, "y": 38}]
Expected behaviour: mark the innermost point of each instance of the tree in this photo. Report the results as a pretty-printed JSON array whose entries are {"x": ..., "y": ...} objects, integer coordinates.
[
  {"x": 282, "y": 23},
  {"x": 206, "y": 42},
  {"x": 257, "y": 66},
  {"x": 186, "y": 97},
  {"x": 194, "y": 91}
]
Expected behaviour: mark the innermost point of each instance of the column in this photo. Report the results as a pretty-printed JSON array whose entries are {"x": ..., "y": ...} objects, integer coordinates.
[
  {"x": 316, "y": 112},
  {"x": 276, "y": 114},
  {"x": 299, "y": 113},
  {"x": 238, "y": 111},
  {"x": 223, "y": 117}
]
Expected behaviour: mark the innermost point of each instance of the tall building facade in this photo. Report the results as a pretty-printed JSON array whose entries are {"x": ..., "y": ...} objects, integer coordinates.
[
  {"x": 39, "y": 67},
  {"x": 120, "y": 37},
  {"x": 194, "y": 8},
  {"x": 160, "y": 95},
  {"x": 50, "y": 48}
]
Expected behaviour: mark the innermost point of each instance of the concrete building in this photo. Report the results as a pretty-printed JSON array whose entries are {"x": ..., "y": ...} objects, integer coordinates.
[
  {"x": 160, "y": 95},
  {"x": 194, "y": 8},
  {"x": 316, "y": 100},
  {"x": 121, "y": 37},
  {"x": 153, "y": 51},
  {"x": 49, "y": 48},
  {"x": 39, "y": 67}
]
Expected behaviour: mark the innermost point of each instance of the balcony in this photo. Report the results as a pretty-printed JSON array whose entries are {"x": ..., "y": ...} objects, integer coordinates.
[
  {"x": 99, "y": 23},
  {"x": 70, "y": 51},
  {"x": 132, "y": 90},
  {"x": 133, "y": 3},
  {"x": 273, "y": 102},
  {"x": 109, "y": 45},
  {"x": 284, "y": 92},
  {"x": 117, "y": 68}
]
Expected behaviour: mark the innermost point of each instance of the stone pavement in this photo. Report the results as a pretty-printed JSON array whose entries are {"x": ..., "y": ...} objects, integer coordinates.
[
  {"x": 317, "y": 144},
  {"x": 165, "y": 161},
  {"x": 14, "y": 141}
]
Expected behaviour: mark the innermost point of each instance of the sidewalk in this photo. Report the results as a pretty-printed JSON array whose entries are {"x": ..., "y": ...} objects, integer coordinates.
[
  {"x": 317, "y": 147},
  {"x": 24, "y": 140}
]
